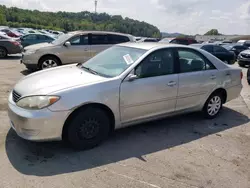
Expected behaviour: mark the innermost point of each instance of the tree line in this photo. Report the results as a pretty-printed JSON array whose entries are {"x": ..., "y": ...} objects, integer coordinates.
[{"x": 69, "y": 21}]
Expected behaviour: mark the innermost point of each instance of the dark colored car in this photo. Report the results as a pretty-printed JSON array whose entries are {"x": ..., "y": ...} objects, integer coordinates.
[
  {"x": 184, "y": 41},
  {"x": 218, "y": 51},
  {"x": 236, "y": 48},
  {"x": 11, "y": 33},
  {"x": 244, "y": 58},
  {"x": 30, "y": 39},
  {"x": 9, "y": 46}
]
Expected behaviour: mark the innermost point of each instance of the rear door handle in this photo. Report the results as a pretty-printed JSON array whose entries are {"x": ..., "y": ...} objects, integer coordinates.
[
  {"x": 171, "y": 83},
  {"x": 213, "y": 77}
]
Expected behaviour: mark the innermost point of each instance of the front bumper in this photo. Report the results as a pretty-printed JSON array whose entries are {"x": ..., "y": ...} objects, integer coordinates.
[
  {"x": 243, "y": 60},
  {"x": 36, "y": 125},
  {"x": 30, "y": 60}
]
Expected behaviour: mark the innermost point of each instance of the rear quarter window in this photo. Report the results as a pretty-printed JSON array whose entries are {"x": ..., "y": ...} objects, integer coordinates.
[{"x": 116, "y": 39}]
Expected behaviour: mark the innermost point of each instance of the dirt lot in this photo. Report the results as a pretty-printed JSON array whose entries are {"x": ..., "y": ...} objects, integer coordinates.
[{"x": 180, "y": 152}]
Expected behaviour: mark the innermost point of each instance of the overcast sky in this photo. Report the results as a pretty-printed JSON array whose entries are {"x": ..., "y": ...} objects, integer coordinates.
[{"x": 185, "y": 16}]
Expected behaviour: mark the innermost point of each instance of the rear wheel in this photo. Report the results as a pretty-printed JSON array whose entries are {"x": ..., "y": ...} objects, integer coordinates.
[
  {"x": 88, "y": 128},
  {"x": 3, "y": 52},
  {"x": 48, "y": 62},
  {"x": 213, "y": 105}
]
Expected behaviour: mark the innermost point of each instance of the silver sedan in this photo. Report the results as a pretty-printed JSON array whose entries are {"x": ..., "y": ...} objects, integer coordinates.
[{"x": 124, "y": 85}]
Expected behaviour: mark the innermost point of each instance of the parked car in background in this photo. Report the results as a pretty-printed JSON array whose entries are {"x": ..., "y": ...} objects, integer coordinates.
[
  {"x": 184, "y": 41},
  {"x": 124, "y": 85},
  {"x": 72, "y": 47},
  {"x": 31, "y": 39},
  {"x": 236, "y": 48},
  {"x": 218, "y": 51},
  {"x": 166, "y": 40},
  {"x": 9, "y": 45},
  {"x": 149, "y": 40},
  {"x": 244, "y": 42},
  {"x": 244, "y": 58},
  {"x": 138, "y": 38},
  {"x": 11, "y": 33}
]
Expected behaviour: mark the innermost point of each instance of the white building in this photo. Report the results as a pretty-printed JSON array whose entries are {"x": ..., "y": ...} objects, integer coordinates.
[{"x": 215, "y": 37}]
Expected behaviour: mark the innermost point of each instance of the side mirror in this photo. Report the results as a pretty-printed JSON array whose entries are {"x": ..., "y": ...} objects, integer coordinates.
[
  {"x": 67, "y": 44},
  {"x": 132, "y": 77}
]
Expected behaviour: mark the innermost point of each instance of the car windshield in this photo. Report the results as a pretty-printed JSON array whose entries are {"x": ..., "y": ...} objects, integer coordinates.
[
  {"x": 62, "y": 38},
  {"x": 113, "y": 61}
]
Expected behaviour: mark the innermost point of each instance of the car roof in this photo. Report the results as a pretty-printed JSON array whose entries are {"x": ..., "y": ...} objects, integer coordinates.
[
  {"x": 98, "y": 32},
  {"x": 150, "y": 45}
]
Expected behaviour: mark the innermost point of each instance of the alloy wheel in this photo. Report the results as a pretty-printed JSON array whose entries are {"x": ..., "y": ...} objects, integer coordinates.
[
  {"x": 49, "y": 64},
  {"x": 214, "y": 105}
]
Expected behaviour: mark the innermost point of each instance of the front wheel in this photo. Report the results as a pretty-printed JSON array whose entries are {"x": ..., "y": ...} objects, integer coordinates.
[
  {"x": 3, "y": 52},
  {"x": 213, "y": 106},
  {"x": 48, "y": 62},
  {"x": 88, "y": 128}
]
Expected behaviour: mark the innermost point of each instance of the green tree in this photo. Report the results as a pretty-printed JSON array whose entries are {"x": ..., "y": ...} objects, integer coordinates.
[
  {"x": 212, "y": 32},
  {"x": 69, "y": 21}
]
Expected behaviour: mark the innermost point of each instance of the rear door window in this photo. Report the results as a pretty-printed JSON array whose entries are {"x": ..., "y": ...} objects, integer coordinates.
[
  {"x": 208, "y": 48},
  {"x": 191, "y": 61},
  {"x": 219, "y": 49},
  {"x": 42, "y": 37},
  {"x": 116, "y": 39},
  {"x": 30, "y": 37},
  {"x": 98, "y": 39}
]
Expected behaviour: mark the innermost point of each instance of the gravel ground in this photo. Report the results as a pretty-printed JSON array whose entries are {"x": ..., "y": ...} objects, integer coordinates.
[{"x": 179, "y": 152}]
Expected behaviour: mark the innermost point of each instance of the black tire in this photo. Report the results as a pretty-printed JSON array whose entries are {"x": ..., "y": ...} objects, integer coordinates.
[
  {"x": 88, "y": 128},
  {"x": 241, "y": 64},
  {"x": 3, "y": 52},
  {"x": 48, "y": 59},
  {"x": 206, "y": 109},
  {"x": 248, "y": 76}
]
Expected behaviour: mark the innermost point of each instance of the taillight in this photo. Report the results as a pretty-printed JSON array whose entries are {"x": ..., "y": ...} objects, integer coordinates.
[
  {"x": 15, "y": 43},
  {"x": 241, "y": 75}
]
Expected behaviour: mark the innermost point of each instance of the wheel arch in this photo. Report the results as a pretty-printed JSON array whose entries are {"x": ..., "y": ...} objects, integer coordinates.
[
  {"x": 50, "y": 55},
  {"x": 222, "y": 91},
  {"x": 104, "y": 107}
]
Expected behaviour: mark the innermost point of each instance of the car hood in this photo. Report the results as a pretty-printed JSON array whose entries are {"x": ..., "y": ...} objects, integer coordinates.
[
  {"x": 55, "y": 79},
  {"x": 246, "y": 52},
  {"x": 38, "y": 46}
]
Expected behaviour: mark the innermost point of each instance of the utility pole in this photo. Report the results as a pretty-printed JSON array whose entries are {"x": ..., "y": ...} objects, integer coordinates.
[{"x": 95, "y": 5}]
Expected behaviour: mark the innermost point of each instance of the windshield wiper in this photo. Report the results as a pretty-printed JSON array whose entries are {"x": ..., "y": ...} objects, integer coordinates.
[{"x": 89, "y": 70}]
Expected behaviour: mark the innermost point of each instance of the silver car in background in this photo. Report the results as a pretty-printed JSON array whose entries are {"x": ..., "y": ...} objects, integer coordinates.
[
  {"x": 73, "y": 47},
  {"x": 124, "y": 85}
]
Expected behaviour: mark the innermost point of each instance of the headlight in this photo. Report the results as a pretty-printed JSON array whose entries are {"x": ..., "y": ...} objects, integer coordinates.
[
  {"x": 37, "y": 102},
  {"x": 28, "y": 52}
]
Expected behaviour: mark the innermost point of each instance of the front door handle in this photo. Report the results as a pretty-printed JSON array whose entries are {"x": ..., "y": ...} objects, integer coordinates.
[
  {"x": 213, "y": 77},
  {"x": 171, "y": 83}
]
